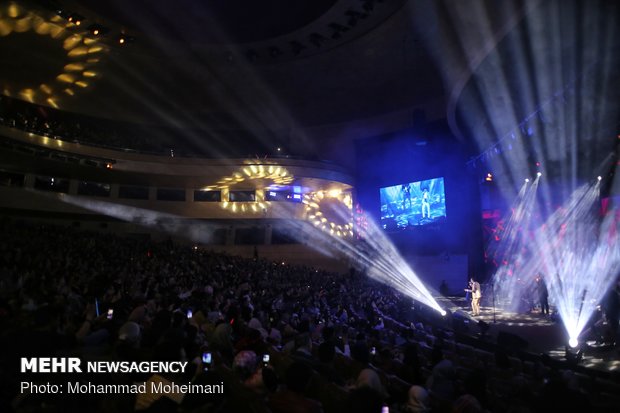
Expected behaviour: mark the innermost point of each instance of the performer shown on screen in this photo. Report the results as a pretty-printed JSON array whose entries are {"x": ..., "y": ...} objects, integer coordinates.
[
  {"x": 406, "y": 189},
  {"x": 426, "y": 204},
  {"x": 476, "y": 295},
  {"x": 543, "y": 294}
]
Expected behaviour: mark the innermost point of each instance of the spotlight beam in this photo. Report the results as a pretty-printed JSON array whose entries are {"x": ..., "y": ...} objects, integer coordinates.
[
  {"x": 376, "y": 255},
  {"x": 578, "y": 256},
  {"x": 509, "y": 283},
  {"x": 564, "y": 60},
  {"x": 162, "y": 222}
]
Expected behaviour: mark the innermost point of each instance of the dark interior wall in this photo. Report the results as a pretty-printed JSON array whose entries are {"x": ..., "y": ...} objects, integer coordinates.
[{"x": 410, "y": 156}]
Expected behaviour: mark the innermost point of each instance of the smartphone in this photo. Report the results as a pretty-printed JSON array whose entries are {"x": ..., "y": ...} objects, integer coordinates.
[
  {"x": 373, "y": 351},
  {"x": 206, "y": 358},
  {"x": 385, "y": 409},
  {"x": 97, "y": 307},
  {"x": 110, "y": 313},
  {"x": 206, "y": 361},
  {"x": 189, "y": 314},
  {"x": 266, "y": 359}
]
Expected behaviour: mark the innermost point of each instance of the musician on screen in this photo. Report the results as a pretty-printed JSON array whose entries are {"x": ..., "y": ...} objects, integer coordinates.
[
  {"x": 406, "y": 192},
  {"x": 476, "y": 295},
  {"x": 426, "y": 204}
]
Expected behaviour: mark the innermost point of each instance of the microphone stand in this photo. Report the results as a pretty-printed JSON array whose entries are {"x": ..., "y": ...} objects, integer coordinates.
[{"x": 493, "y": 292}]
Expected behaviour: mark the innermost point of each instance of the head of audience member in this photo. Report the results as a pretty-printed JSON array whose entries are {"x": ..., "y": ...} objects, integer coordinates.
[
  {"x": 130, "y": 334},
  {"x": 360, "y": 351},
  {"x": 370, "y": 378},
  {"x": 364, "y": 400},
  {"x": 328, "y": 333},
  {"x": 270, "y": 379},
  {"x": 327, "y": 352},
  {"x": 466, "y": 404},
  {"x": 298, "y": 376},
  {"x": 245, "y": 365},
  {"x": 417, "y": 400},
  {"x": 303, "y": 344},
  {"x": 501, "y": 359},
  {"x": 441, "y": 383},
  {"x": 436, "y": 355}
]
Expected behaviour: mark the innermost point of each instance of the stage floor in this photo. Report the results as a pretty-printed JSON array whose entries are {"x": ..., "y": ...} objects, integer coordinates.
[{"x": 545, "y": 334}]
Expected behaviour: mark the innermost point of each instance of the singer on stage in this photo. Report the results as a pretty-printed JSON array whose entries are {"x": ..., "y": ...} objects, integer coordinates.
[{"x": 476, "y": 295}]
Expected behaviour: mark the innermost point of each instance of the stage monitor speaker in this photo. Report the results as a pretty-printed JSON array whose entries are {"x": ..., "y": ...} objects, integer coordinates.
[
  {"x": 390, "y": 224},
  {"x": 511, "y": 341},
  {"x": 460, "y": 321}
]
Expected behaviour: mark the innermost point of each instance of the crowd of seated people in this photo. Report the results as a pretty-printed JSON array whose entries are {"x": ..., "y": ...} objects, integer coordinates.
[
  {"x": 336, "y": 343},
  {"x": 72, "y": 128},
  {"x": 118, "y": 135}
]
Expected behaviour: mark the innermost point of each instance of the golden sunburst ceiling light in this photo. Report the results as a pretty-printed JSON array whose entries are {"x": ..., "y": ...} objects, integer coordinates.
[
  {"x": 268, "y": 174},
  {"x": 317, "y": 216},
  {"x": 83, "y": 52}
]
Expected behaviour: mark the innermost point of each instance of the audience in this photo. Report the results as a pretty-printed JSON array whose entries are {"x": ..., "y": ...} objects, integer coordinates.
[
  {"x": 126, "y": 136},
  {"x": 355, "y": 346},
  {"x": 417, "y": 401}
]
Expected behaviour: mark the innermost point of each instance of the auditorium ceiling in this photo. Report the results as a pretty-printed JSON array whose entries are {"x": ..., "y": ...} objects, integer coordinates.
[
  {"x": 232, "y": 63},
  {"x": 299, "y": 69}
]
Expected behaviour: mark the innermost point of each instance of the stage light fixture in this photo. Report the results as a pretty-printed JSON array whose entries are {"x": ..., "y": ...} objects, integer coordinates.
[
  {"x": 338, "y": 30},
  {"x": 539, "y": 174},
  {"x": 599, "y": 177},
  {"x": 297, "y": 48},
  {"x": 251, "y": 55},
  {"x": 527, "y": 179},
  {"x": 483, "y": 327},
  {"x": 354, "y": 16},
  {"x": 368, "y": 6},
  {"x": 97, "y": 30},
  {"x": 59, "y": 28},
  {"x": 275, "y": 52},
  {"x": 316, "y": 39},
  {"x": 124, "y": 39},
  {"x": 75, "y": 19},
  {"x": 573, "y": 342}
]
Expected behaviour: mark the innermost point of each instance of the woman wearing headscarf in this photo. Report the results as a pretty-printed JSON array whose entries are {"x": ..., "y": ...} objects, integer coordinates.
[{"x": 417, "y": 401}]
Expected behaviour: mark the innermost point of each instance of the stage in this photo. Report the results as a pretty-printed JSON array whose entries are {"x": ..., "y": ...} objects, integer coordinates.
[{"x": 543, "y": 333}]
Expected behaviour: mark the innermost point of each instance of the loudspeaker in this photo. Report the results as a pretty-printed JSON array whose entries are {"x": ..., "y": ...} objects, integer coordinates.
[
  {"x": 511, "y": 341},
  {"x": 460, "y": 321}
]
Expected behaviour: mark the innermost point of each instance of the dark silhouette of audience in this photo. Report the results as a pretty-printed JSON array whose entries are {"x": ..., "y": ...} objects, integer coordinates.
[{"x": 357, "y": 346}]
